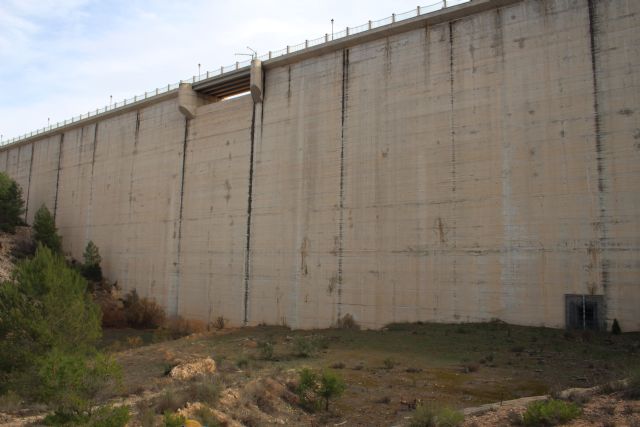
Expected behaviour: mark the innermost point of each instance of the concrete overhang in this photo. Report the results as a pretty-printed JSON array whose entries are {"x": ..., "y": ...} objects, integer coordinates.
[{"x": 228, "y": 84}]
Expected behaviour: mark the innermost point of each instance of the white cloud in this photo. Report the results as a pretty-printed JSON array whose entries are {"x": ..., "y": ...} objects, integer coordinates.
[{"x": 63, "y": 57}]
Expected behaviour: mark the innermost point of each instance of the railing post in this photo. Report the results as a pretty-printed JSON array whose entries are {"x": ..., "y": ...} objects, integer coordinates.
[
  {"x": 393, "y": 18},
  {"x": 369, "y": 23},
  {"x": 326, "y": 37},
  {"x": 445, "y": 3},
  {"x": 418, "y": 11},
  {"x": 347, "y": 31},
  {"x": 207, "y": 74},
  {"x": 287, "y": 48},
  {"x": 156, "y": 91},
  {"x": 221, "y": 69},
  {"x": 306, "y": 44},
  {"x": 193, "y": 79},
  {"x": 237, "y": 64},
  {"x": 269, "y": 54}
]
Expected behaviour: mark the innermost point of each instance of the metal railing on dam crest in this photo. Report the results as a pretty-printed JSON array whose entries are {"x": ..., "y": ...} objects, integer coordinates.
[{"x": 326, "y": 38}]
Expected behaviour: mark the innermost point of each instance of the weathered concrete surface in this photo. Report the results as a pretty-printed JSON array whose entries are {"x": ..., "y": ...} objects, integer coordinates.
[{"x": 473, "y": 168}]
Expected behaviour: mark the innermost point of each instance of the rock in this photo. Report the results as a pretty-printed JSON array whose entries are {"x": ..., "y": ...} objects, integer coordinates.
[{"x": 187, "y": 371}]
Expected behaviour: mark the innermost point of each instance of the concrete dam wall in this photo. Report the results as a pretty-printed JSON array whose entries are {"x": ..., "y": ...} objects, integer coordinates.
[{"x": 476, "y": 163}]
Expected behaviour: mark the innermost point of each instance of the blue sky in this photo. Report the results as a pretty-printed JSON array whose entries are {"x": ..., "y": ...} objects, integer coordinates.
[{"x": 60, "y": 58}]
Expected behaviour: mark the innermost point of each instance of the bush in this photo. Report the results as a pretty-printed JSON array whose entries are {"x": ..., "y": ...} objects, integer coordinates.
[
  {"x": 11, "y": 204},
  {"x": 432, "y": 415},
  {"x": 265, "y": 350},
  {"x": 91, "y": 268},
  {"x": 49, "y": 326},
  {"x": 71, "y": 382},
  {"x": 45, "y": 307},
  {"x": 205, "y": 390},
  {"x": 615, "y": 327},
  {"x": 331, "y": 386},
  {"x": 313, "y": 388},
  {"x": 109, "y": 416},
  {"x": 142, "y": 312},
  {"x": 550, "y": 413},
  {"x": 173, "y": 420},
  {"x": 45, "y": 231},
  {"x": 347, "y": 322},
  {"x": 304, "y": 346},
  {"x": 206, "y": 417}
]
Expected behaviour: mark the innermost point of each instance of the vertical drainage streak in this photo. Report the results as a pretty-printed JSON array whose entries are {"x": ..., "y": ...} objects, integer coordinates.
[
  {"x": 602, "y": 211},
  {"x": 179, "y": 246},
  {"x": 26, "y": 209},
  {"x": 345, "y": 97},
  {"x": 55, "y": 200},
  {"x": 247, "y": 256},
  {"x": 453, "y": 164}
]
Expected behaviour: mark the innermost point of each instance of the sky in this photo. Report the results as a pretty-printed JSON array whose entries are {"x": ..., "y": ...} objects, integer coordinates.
[{"x": 61, "y": 58}]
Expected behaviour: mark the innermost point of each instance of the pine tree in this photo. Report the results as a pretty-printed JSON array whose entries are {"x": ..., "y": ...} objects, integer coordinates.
[
  {"x": 45, "y": 231},
  {"x": 91, "y": 268},
  {"x": 11, "y": 204}
]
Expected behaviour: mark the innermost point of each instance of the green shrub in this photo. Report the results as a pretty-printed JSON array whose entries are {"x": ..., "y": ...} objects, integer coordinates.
[
  {"x": 109, "y": 416},
  {"x": 389, "y": 363},
  {"x": 432, "y": 415},
  {"x": 206, "y": 417},
  {"x": 314, "y": 388},
  {"x": 71, "y": 382},
  {"x": 49, "y": 327},
  {"x": 550, "y": 413},
  {"x": 45, "y": 231},
  {"x": 91, "y": 268},
  {"x": 304, "y": 346},
  {"x": 205, "y": 390},
  {"x": 11, "y": 204},
  {"x": 265, "y": 350},
  {"x": 173, "y": 420},
  {"x": 331, "y": 386},
  {"x": 615, "y": 327},
  {"x": 347, "y": 322},
  {"x": 142, "y": 312},
  {"x": 44, "y": 307}
]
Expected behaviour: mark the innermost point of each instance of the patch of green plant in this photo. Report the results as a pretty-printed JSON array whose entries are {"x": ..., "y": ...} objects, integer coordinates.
[
  {"x": 11, "y": 204},
  {"x": 317, "y": 387},
  {"x": 389, "y": 363},
  {"x": 109, "y": 416},
  {"x": 206, "y": 417},
  {"x": 265, "y": 350},
  {"x": 432, "y": 415},
  {"x": 205, "y": 390},
  {"x": 304, "y": 346},
  {"x": 91, "y": 268},
  {"x": 550, "y": 413},
  {"x": 171, "y": 419},
  {"x": 49, "y": 328},
  {"x": 142, "y": 312},
  {"x": 170, "y": 401},
  {"x": 242, "y": 362},
  {"x": 45, "y": 231}
]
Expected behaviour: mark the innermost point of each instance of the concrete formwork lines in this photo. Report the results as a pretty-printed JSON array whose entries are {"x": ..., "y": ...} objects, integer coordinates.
[{"x": 480, "y": 167}]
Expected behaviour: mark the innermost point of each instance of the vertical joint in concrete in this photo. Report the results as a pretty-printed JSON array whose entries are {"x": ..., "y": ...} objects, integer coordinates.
[
  {"x": 343, "y": 117},
  {"x": 26, "y": 209},
  {"x": 600, "y": 153},
  {"x": 55, "y": 200},
  {"x": 247, "y": 256}
]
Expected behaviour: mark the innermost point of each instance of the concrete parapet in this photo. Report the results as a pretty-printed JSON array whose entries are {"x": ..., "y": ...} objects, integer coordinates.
[{"x": 257, "y": 80}]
